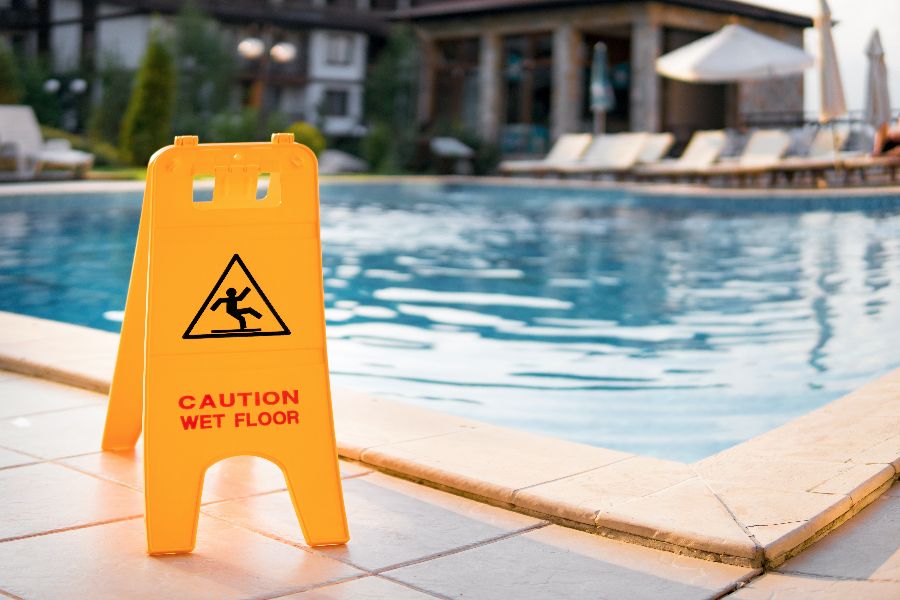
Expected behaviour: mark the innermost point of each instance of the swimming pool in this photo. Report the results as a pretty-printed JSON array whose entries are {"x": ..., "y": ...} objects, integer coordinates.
[{"x": 667, "y": 326}]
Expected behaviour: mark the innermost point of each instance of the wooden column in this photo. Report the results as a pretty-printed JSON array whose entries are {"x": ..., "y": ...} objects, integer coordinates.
[
  {"x": 425, "y": 105},
  {"x": 565, "y": 109},
  {"x": 646, "y": 45}
]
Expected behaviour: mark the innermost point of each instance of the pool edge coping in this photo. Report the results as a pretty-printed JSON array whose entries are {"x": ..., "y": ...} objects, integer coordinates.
[
  {"x": 8, "y": 189},
  {"x": 688, "y": 512}
]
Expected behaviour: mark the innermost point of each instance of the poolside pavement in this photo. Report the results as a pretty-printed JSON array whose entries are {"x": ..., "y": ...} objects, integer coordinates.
[{"x": 72, "y": 527}]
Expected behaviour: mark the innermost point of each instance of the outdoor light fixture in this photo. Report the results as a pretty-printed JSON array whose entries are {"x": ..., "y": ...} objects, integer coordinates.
[
  {"x": 78, "y": 86},
  {"x": 51, "y": 86},
  {"x": 251, "y": 48},
  {"x": 283, "y": 52}
]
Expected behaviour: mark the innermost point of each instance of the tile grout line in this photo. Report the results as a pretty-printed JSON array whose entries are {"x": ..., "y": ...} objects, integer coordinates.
[
  {"x": 413, "y": 587},
  {"x": 10, "y": 595},
  {"x": 743, "y": 527},
  {"x": 592, "y": 469},
  {"x": 309, "y": 587},
  {"x": 27, "y": 536},
  {"x": 463, "y": 548}
]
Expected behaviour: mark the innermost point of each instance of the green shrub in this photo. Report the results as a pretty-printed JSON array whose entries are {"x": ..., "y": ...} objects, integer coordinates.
[
  {"x": 378, "y": 149},
  {"x": 10, "y": 81},
  {"x": 147, "y": 125},
  {"x": 244, "y": 126},
  {"x": 308, "y": 135},
  {"x": 115, "y": 81}
]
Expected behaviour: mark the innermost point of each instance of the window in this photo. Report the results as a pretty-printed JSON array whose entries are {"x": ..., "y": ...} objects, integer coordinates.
[
  {"x": 527, "y": 69},
  {"x": 339, "y": 50},
  {"x": 335, "y": 103},
  {"x": 456, "y": 84}
]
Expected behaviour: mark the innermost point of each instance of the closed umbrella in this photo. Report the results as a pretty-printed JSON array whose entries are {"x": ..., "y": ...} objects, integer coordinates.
[
  {"x": 878, "y": 99},
  {"x": 603, "y": 98},
  {"x": 831, "y": 90},
  {"x": 734, "y": 53}
]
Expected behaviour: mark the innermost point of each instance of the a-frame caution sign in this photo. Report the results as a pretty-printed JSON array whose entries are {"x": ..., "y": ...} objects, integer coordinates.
[
  {"x": 231, "y": 378},
  {"x": 236, "y": 307}
]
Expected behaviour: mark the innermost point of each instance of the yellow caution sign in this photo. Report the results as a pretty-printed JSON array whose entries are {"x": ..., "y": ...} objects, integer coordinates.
[{"x": 223, "y": 341}]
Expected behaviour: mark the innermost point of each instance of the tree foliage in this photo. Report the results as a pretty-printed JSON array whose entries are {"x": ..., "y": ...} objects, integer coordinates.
[
  {"x": 308, "y": 135},
  {"x": 10, "y": 80},
  {"x": 390, "y": 102},
  {"x": 147, "y": 125},
  {"x": 206, "y": 65},
  {"x": 115, "y": 81}
]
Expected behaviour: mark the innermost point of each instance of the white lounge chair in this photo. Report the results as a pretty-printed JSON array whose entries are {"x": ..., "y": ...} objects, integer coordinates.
[
  {"x": 22, "y": 144},
  {"x": 761, "y": 154},
  {"x": 613, "y": 153},
  {"x": 568, "y": 148},
  {"x": 655, "y": 147},
  {"x": 703, "y": 150}
]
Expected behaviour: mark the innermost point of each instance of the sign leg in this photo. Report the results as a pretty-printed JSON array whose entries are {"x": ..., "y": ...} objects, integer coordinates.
[
  {"x": 318, "y": 500},
  {"x": 173, "y": 485}
]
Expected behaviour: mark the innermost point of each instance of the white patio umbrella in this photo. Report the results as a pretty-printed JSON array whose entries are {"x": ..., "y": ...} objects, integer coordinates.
[
  {"x": 831, "y": 89},
  {"x": 734, "y": 53},
  {"x": 878, "y": 99}
]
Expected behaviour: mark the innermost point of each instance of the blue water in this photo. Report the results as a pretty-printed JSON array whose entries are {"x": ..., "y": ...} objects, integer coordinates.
[{"x": 672, "y": 327}]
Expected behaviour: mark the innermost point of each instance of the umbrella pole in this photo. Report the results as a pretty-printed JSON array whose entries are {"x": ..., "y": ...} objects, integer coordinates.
[{"x": 599, "y": 122}]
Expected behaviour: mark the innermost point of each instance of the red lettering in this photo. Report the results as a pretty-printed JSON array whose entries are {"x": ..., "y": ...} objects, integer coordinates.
[
  {"x": 293, "y": 396},
  {"x": 207, "y": 402},
  {"x": 186, "y": 402},
  {"x": 189, "y": 421},
  {"x": 292, "y": 417}
]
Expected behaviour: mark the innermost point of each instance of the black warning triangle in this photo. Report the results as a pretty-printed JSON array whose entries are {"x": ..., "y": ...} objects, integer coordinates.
[{"x": 231, "y": 312}]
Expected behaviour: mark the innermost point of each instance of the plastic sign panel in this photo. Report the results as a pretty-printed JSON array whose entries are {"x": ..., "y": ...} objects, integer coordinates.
[{"x": 223, "y": 343}]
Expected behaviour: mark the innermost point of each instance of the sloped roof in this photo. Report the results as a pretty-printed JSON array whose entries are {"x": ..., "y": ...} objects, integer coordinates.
[{"x": 459, "y": 8}]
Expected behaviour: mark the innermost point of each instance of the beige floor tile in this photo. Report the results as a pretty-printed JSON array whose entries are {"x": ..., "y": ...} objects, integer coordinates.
[
  {"x": 776, "y": 586},
  {"x": 109, "y": 562},
  {"x": 865, "y": 547},
  {"x": 365, "y": 588},
  {"x": 580, "y": 497},
  {"x": 8, "y": 458},
  {"x": 491, "y": 461},
  {"x": 45, "y": 497},
  {"x": 758, "y": 506},
  {"x": 55, "y": 434},
  {"x": 26, "y": 395},
  {"x": 362, "y": 422},
  {"x": 554, "y": 562},
  {"x": 686, "y": 514},
  {"x": 821, "y": 436},
  {"x": 391, "y": 521},
  {"x": 886, "y": 452},
  {"x": 18, "y": 328},
  {"x": 857, "y": 482},
  {"x": 770, "y": 473},
  {"x": 235, "y": 477}
]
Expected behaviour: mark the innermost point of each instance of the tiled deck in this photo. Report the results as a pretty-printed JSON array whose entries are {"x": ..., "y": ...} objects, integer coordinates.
[{"x": 72, "y": 527}]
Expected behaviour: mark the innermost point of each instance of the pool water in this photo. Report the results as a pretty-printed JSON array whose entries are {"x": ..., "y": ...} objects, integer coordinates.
[{"x": 666, "y": 326}]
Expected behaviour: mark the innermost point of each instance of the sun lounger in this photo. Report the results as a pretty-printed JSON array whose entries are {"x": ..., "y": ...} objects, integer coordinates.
[
  {"x": 656, "y": 146},
  {"x": 824, "y": 155},
  {"x": 703, "y": 150},
  {"x": 567, "y": 149},
  {"x": 23, "y": 146},
  {"x": 761, "y": 153},
  {"x": 864, "y": 165},
  {"x": 614, "y": 153}
]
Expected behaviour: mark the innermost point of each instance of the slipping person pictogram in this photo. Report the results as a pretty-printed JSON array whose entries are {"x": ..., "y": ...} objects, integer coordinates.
[
  {"x": 230, "y": 301},
  {"x": 210, "y": 322}
]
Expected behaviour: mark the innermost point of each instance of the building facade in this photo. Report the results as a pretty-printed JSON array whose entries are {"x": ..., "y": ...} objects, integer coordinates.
[
  {"x": 517, "y": 71},
  {"x": 323, "y": 82}
]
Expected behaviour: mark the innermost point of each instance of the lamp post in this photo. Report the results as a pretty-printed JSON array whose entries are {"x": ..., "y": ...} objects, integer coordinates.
[{"x": 262, "y": 51}]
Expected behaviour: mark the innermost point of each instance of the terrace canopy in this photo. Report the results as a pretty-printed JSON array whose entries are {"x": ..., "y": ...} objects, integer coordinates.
[{"x": 734, "y": 53}]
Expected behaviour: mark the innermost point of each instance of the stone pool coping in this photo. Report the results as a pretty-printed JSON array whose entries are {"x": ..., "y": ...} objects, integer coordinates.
[
  {"x": 644, "y": 188},
  {"x": 755, "y": 504}
]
